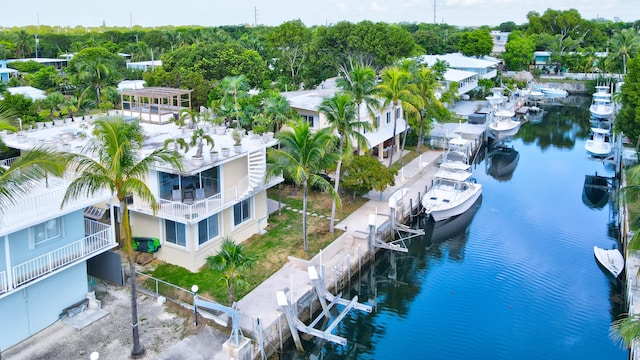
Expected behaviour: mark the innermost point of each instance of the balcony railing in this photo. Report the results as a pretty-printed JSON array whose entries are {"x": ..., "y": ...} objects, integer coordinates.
[
  {"x": 93, "y": 243},
  {"x": 3, "y": 282},
  {"x": 201, "y": 209},
  {"x": 5, "y": 163}
]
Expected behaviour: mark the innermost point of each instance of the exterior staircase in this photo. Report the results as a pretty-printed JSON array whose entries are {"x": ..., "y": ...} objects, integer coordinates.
[{"x": 257, "y": 162}]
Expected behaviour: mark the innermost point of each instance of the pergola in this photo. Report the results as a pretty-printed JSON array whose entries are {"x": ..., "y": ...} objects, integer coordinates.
[{"x": 156, "y": 105}]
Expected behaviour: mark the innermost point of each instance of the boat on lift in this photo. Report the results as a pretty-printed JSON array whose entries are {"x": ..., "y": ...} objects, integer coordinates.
[
  {"x": 612, "y": 260},
  {"x": 599, "y": 144},
  {"x": 504, "y": 124},
  {"x": 601, "y": 105}
]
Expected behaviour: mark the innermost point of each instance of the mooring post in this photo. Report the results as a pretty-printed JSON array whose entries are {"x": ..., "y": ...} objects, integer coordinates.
[
  {"x": 411, "y": 210},
  {"x": 372, "y": 233}
]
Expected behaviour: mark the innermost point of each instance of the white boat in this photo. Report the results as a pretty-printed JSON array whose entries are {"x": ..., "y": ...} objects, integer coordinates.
[
  {"x": 535, "y": 94},
  {"x": 601, "y": 105},
  {"x": 599, "y": 144},
  {"x": 612, "y": 260},
  {"x": 552, "y": 92},
  {"x": 496, "y": 98},
  {"x": 503, "y": 124},
  {"x": 452, "y": 192}
]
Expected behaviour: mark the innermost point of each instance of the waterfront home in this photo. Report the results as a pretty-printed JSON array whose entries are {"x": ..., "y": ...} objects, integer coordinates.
[
  {"x": 5, "y": 72},
  {"x": 485, "y": 68},
  {"x": 222, "y": 193},
  {"x": 44, "y": 252},
  {"x": 307, "y": 102}
]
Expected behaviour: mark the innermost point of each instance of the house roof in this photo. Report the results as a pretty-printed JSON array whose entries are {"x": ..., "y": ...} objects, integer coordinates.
[
  {"x": 308, "y": 99},
  {"x": 457, "y": 60},
  {"x": 131, "y": 84},
  {"x": 155, "y": 92},
  {"x": 27, "y": 91},
  {"x": 458, "y": 75}
]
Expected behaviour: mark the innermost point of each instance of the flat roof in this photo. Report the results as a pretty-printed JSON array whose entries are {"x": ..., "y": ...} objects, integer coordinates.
[
  {"x": 155, "y": 92},
  {"x": 457, "y": 60}
]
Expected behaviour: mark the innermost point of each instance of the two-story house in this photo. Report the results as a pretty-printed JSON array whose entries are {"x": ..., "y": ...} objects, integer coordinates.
[
  {"x": 44, "y": 248},
  {"x": 380, "y": 138}
]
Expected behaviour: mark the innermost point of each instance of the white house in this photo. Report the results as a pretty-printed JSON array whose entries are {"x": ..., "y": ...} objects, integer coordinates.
[
  {"x": 307, "y": 103},
  {"x": 499, "y": 41},
  {"x": 486, "y": 68},
  {"x": 144, "y": 65}
]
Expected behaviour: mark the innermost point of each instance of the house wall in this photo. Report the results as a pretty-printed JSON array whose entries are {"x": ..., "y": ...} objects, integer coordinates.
[
  {"x": 20, "y": 242},
  {"x": 36, "y": 307}
]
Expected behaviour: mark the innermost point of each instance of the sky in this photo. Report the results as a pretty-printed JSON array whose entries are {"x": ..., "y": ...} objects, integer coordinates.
[{"x": 274, "y": 12}]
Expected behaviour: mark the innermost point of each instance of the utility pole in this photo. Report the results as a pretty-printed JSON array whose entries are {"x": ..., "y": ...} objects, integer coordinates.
[
  {"x": 434, "y": 11},
  {"x": 255, "y": 16},
  {"x": 36, "y": 37}
]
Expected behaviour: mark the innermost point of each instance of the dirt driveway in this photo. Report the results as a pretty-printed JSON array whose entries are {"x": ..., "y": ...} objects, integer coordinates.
[{"x": 166, "y": 331}]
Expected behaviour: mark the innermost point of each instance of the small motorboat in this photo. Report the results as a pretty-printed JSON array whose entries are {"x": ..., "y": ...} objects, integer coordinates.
[
  {"x": 601, "y": 106},
  {"x": 504, "y": 124},
  {"x": 612, "y": 260},
  {"x": 599, "y": 144}
]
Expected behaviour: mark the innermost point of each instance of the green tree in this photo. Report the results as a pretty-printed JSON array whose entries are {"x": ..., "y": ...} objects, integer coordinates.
[
  {"x": 426, "y": 82},
  {"x": 340, "y": 111},
  {"x": 301, "y": 157},
  {"x": 476, "y": 43},
  {"x": 113, "y": 161},
  {"x": 519, "y": 51},
  {"x": 51, "y": 105},
  {"x": 290, "y": 41},
  {"x": 365, "y": 173},
  {"x": 628, "y": 117},
  {"x": 393, "y": 89},
  {"x": 235, "y": 89},
  {"x": 199, "y": 137},
  {"x": 625, "y": 44},
  {"x": 47, "y": 79},
  {"x": 231, "y": 261},
  {"x": 278, "y": 110},
  {"x": 360, "y": 82},
  {"x": 94, "y": 69}
]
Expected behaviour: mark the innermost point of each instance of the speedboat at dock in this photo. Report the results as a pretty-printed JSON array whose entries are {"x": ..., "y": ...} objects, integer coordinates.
[
  {"x": 612, "y": 260},
  {"x": 601, "y": 105}
]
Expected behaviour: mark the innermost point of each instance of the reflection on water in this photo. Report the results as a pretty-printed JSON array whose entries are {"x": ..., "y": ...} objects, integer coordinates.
[
  {"x": 502, "y": 161},
  {"x": 595, "y": 193},
  {"x": 515, "y": 278}
]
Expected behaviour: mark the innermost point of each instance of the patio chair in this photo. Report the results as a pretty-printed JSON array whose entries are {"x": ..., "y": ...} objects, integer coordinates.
[
  {"x": 200, "y": 194},
  {"x": 188, "y": 197},
  {"x": 176, "y": 195}
]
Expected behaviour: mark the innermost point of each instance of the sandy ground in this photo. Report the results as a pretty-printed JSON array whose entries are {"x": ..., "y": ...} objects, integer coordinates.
[{"x": 166, "y": 331}]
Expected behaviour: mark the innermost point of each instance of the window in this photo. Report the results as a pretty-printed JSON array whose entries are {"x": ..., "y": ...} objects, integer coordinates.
[
  {"x": 207, "y": 229},
  {"x": 377, "y": 121},
  {"x": 388, "y": 117},
  {"x": 310, "y": 119},
  {"x": 398, "y": 112},
  {"x": 46, "y": 231},
  {"x": 175, "y": 232},
  {"x": 241, "y": 212}
]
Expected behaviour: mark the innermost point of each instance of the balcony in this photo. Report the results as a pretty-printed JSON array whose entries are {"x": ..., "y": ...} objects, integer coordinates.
[
  {"x": 98, "y": 240},
  {"x": 3, "y": 282},
  {"x": 42, "y": 201},
  {"x": 201, "y": 209}
]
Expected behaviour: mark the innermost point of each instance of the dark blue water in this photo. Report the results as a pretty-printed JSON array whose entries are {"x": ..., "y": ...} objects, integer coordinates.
[{"x": 513, "y": 279}]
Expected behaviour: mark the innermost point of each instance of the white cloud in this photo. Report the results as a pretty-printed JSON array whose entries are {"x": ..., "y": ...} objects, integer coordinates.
[{"x": 376, "y": 7}]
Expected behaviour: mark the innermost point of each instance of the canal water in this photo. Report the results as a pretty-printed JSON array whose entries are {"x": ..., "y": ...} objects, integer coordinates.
[{"x": 515, "y": 277}]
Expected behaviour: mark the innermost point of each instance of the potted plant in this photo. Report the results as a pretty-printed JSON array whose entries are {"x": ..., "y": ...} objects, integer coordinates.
[
  {"x": 236, "y": 134},
  {"x": 225, "y": 151}
]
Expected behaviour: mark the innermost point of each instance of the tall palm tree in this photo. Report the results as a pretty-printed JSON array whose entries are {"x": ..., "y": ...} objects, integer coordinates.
[
  {"x": 199, "y": 136},
  {"x": 394, "y": 88},
  {"x": 340, "y": 111},
  {"x": 360, "y": 82},
  {"x": 95, "y": 74},
  {"x": 231, "y": 261},
  {"x": 303, "y": 154},
  {"x": 235, "y": 87},
  {"x": 626, "y": 45},
  {"x": 425, "y": 83},
  {"x": 112, "y": 160}
]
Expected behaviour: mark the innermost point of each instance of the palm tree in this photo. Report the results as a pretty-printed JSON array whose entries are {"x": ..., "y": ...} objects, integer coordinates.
[
  {"x": 341, "y": 115},
  {"x": 231, "y": 261},
  {"x": 394, "y": 88},
  {"x": 303, "y": 154},
  {"x": 235, "y": 87},
  {"x": 112, "y": 160},
  {"x": 360, "y": 82},
  {"x": 426, "y": 83},
  {"x": 95, "y": 74},
  {"x": 51, "y": 105},
  {"x": 277, "y": 109},
  {"x": 625, "y": 44}
]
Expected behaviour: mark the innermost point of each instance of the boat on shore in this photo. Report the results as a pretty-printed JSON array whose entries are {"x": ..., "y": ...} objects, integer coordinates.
[
  {"x": 553, "y": 92},
  {"x": 601, "y": 105},
  {"x": 612, "y": 260}
]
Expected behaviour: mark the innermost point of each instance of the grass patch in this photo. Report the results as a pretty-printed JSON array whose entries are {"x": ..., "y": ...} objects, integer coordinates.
[{"x": 282, "y": 239}]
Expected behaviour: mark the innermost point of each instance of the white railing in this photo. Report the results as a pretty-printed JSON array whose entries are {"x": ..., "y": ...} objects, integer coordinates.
[
  {"x": 5, "y": 163},
  {"x": 47, "y": 263},
  {"x": 3, "y": 282}
]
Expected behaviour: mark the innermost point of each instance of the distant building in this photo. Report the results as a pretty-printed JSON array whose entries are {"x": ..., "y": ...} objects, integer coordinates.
[
  {"x": 28, "y": 92},
  {"x": 486, "y": 68},
  {"x": 131, "y": 84},
  {"x": 144, "y": 65},
  {"x": 5, "y": 72},
  {"x": 499, "y": 41},
  {"x": 56, "y": 63}
]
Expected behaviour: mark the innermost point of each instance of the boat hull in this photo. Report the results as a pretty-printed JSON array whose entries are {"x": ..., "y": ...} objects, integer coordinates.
[
  {"x": 442, "y": 204},
  {"x": 601, "y": 111},
  {"x": 612, "y": 260}
]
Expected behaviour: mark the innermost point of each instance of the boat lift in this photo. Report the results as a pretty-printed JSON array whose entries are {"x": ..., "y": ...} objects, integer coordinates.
[
  {"x": 296, "y": 324},
  {"x": 397, "y": 228}
]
